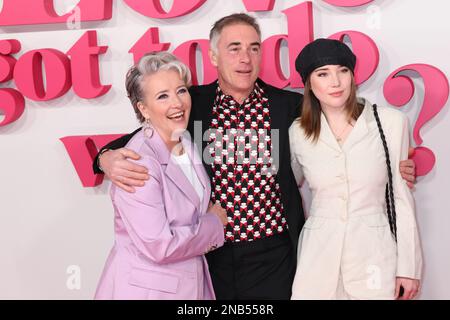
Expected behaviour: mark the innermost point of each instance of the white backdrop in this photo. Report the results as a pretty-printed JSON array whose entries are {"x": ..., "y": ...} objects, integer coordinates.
[{"x": 55, "y": 234}]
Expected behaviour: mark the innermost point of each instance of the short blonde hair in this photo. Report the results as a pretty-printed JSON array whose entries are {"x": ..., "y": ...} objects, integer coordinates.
[{"x": 150, "y": 64}]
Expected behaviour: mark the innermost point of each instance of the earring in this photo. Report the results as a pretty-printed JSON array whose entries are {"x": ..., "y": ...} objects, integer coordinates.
[{"x": 148, "y": 128}]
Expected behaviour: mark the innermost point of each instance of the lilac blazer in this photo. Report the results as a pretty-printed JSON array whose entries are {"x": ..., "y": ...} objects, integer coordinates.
[{"x": 161, "y": 231}]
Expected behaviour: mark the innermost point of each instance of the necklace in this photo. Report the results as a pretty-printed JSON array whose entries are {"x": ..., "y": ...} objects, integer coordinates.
[
  {"x": 339, "y": 136},
  {"x": 178, "y": 149}
]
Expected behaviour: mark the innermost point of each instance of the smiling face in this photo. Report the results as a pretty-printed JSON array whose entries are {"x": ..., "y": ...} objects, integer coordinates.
[
  {"x": 167, "y": 104},
  {"x": 331, "y": 84},
  {"x": 237, "y": 58}
]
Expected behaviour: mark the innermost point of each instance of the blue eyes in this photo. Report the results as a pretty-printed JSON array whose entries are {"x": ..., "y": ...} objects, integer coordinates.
[{"x": 166, "y": 96}]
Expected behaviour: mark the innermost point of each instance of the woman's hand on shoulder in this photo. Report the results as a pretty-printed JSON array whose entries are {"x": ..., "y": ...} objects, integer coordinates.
[{"x": 220, "y": 212}]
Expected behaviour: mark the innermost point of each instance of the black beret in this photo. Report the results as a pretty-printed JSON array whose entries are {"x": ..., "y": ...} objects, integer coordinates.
[{"x": 322, "y": 52}]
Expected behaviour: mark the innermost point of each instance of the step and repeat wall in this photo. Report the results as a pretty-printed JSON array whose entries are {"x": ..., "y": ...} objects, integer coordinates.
[{"x": 62, "y": 96}]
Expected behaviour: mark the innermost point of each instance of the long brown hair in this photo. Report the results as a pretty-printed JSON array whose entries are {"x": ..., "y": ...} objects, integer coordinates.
[{"x": 311, "y": 110}]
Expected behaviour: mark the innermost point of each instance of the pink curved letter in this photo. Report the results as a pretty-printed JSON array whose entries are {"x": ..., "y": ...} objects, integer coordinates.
[
  {"x": 153, "y": 8},
  {"x": 348, "y": 3},
  {"x": 12, "y": 104},
  {"x": 29, "y": 78},
  {"x": 271, "y": 71},
  {"x": 19, "y": 12},
  {"x": 82, "y": 151},
  {"x": 300, "y": 33},
  {"x": 7, "y": 63},
  {"x": 259, "y": 5},
  {"x": 366, "y": 52},
  {"x": 186, "y": 53}
]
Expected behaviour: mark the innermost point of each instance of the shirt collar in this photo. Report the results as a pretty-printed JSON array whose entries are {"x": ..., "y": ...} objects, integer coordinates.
[{"x": 256, "y": 94}]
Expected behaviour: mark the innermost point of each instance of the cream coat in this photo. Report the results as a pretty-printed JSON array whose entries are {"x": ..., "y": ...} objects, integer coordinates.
[{"x": 346, "y": 249}]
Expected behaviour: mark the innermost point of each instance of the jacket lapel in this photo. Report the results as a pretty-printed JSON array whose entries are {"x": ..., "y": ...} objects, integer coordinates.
[
  {"x": 326, "y": 135},
  {"x": 364, "y": 125},
  {"x": 192, "y": 151},
  {"x": 276, "y": 117},
  {"x": 173, "y": 171},
  {"x": 279, "y": 124},
  {"x": 202, "y": 107}
]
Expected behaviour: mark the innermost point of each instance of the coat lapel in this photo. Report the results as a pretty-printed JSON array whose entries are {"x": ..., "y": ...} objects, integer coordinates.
[
  {"x": 197, "y": 163},
  {"x": 364, "y": 125},
  {"x": 173, "y": 171},
  {"x": 279, "y": 123},
  {"x": 201, "y": 113},
  {"x": 326, "y": 135}
]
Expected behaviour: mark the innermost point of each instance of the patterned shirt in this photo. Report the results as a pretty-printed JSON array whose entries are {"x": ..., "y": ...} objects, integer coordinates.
[{"x": 244, "y": 178}]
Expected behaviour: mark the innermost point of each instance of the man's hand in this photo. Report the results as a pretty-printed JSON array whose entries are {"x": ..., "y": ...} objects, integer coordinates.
[
  {"x": 408, "y": 169},
  {"x": 122, "y": 172}
]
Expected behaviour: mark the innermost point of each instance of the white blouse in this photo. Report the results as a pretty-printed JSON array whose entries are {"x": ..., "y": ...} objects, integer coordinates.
[{"x": 185, "y": 164}]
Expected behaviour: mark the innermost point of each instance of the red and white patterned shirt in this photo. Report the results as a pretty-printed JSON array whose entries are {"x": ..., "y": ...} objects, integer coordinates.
[{"x": 244, "y": 179}]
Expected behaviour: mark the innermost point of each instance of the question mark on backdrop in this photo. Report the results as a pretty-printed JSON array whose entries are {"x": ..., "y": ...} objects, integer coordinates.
[
  {"x": 259, "y": 5},
  {"x": 348, "y": 3},
  {"x": 399, "y": 89}
]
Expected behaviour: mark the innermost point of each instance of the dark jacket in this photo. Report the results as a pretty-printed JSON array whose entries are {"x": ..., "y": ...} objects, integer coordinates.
[{"x": 284, "y": 107}]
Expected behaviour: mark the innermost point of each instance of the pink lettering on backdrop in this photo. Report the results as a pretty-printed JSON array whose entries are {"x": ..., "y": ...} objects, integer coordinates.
[
  {"x": 399, "y": 89},
  {"x": 30, "y": 79},
  {"x": 348, "y": 3},
  {"x": 12, "y": 103},
  {"x": 154, "y": 9},
  {"x": 20, "y": 12},
  {"x": 82, "y": 69},
  {"x": 85, "y": 66},
  {"x": 300, "y": 33},
  {"x": 82, "y": 151},
  {"x": 7, "y": 63},
  {"x": 147, "y": 43},
  {"x": 271, "y": 71},
  {"x": 60, "y": 73},
  {"x": 366, "y": 52},
  {"x": 259, "y": 5},
  {"x": 186, "y": 52}
]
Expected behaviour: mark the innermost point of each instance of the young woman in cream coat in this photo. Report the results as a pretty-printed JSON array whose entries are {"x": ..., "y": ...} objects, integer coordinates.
[{"x": 350, "y": 248}]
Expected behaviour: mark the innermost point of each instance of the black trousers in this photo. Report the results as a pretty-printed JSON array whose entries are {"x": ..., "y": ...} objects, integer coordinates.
[{"x": 257, "y": 270}]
